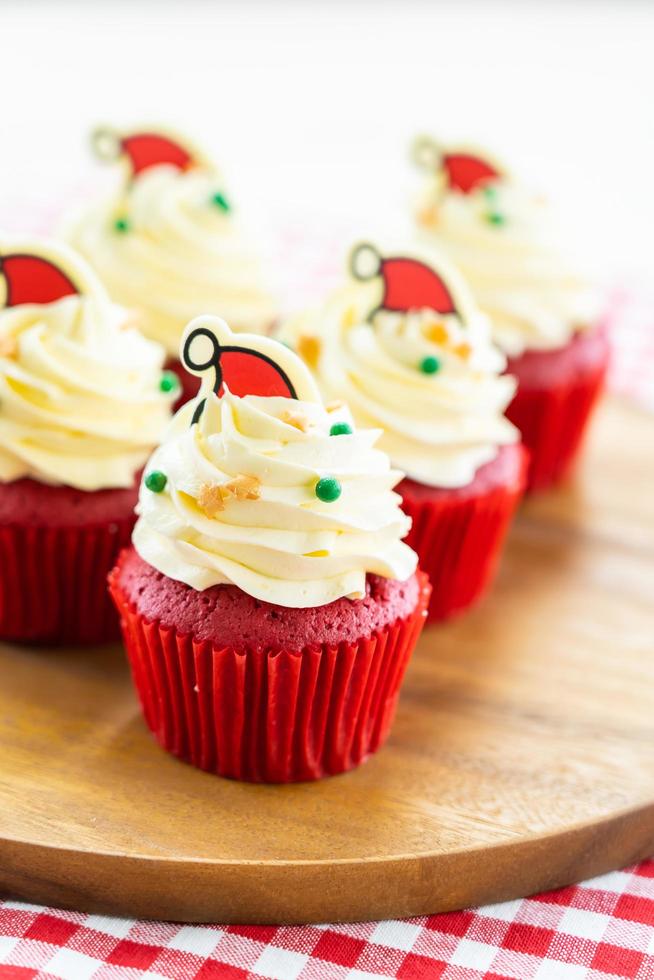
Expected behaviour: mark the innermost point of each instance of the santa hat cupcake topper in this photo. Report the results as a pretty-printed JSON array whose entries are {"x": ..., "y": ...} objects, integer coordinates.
[
  {"x": 42, "y": 272},
  {"x": 146, "y": 148},
  {"x": 465, "y": 170},
  {"x": 408, "y": 283},
  {"x": 246, "y": 364}
]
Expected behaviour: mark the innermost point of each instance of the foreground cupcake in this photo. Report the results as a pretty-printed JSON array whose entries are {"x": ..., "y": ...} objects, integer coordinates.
[
  {"x": 82, "y": 402},
  {"x": 168, "y": 243},
  {"x": 269, "y": 606},
  {"x": 406, "y": 348},
  {"x": 544, "y": 314}
]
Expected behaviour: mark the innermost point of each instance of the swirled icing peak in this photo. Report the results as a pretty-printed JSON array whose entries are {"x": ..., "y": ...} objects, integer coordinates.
[
  {"x": 504, "y": 239},
  {"x": 264, "y": 487},
  {"x": 168, "y": 242},
  {"x": 405, "y": 346},
  {"x": 81, "y": 395}
]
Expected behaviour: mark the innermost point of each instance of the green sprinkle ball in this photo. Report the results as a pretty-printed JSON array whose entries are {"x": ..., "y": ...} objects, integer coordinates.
[
  {"x": 495, "y": 218},
  {"x": 429, "y": 365},
  {"x": 340, "y": 429},
  {"x": 328, "y": 489},
  {"x": 168, "y": 382},
  {"x": 220, "y": 201},
  {"x": 156, "y": 481},
  {"x": 122, "y": 225},
  {"x": 490, "y": 193}
]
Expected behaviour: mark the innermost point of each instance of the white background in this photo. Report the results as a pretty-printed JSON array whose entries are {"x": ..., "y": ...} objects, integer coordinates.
[{"x": 310, "y": 107}]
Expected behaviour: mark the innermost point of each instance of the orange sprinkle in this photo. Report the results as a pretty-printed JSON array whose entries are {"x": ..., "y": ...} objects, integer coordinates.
[
  {"x": 335, "y": 405},
  {"x": 296, "y": 420},
  {"x": 309, "y": 349},
  {"x": 428, "y": 215},
  {"x": 437, "y": 332},
  {"x": 211, "y": 499},
  {"x": 244, "y": 487},
  {"x": 8, "y": 346},
  {"x": 463, "y": 350},
  {"x": 350, "y": 317}
]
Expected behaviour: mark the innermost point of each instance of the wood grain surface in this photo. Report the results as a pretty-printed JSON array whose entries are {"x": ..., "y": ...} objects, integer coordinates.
[{"x": 522, "y": 757}]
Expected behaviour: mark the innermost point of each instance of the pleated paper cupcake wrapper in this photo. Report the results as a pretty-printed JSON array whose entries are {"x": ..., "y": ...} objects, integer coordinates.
[
  {"x": 53, "y": 582},
  {"x": 459, "y": 541},
  {"x": 264, "y": 716},
  {"x": 553, "y": 423}
]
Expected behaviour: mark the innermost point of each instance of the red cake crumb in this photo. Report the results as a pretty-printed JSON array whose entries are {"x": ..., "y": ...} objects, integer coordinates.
[{"x": 227, "y": 616}]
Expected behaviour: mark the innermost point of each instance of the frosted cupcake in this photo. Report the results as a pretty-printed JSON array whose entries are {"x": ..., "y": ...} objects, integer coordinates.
[
  {"x": 404, "y": 345},
  {"x": 269, "y": 606},
  {"x": 544, "y": 313},
  {"x": 168, "y": 242},
  {"x": 83, "y": 399}
]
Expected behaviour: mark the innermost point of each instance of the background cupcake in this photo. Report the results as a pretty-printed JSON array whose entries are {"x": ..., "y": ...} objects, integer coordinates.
[
  {"x": 269, "y": 606},
  {"x": 544, "y": 313},
  {"x": 406, "y": 348},
  {"x": 82, "y": 402},
  {"x": 168, "y": 242}
]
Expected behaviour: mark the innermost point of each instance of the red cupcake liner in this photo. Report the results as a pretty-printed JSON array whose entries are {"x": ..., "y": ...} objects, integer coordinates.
[
  {"x": 53, "y": 582},
  {"x": 275, "y": 716},
  {"x": 458, "y": 536},
  {"x": 553, "y": 417}
]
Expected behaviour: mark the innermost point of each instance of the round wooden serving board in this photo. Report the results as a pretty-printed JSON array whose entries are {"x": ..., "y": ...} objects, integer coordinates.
[{"x": 522, "y": 757}]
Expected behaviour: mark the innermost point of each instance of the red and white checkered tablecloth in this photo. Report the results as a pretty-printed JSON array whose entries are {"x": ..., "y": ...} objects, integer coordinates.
[{"x": 599, "y": 930}]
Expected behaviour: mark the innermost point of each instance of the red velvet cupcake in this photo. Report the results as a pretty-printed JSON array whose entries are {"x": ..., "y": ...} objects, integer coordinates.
[
  {"x": 405, "y": 347},
  {"x": 57, "y": 544},
  {"x": 168, "y": 242},
  {"x": 544, "y": 314},
  {"x": 459, "y": 533},
  {"x": 261, "y": 692},
  {"x": 269, "y": 607},
  {"x": 557, "y": 392},
  {"x": 82, "y": 402}
]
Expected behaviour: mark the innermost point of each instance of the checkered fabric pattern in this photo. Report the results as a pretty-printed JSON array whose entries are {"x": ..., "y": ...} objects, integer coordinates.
[{"x": 600, "y": 930}]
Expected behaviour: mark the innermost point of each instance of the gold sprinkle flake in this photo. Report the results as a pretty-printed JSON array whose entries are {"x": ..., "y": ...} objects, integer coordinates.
[
  {"x": 463, "y": 350},
  {"x": 350, "y": 317},
  {"x": 296, "y": 420},
  {"x": 309, "y": 350},
  {"x": 428, "y": 215},
  {"x": 437, "y": 332},
  {"x": 245, "y": 487},
  {"x": 335, "y": 405},
  {"x": 212, "y": 498},
  {"x": 8, "y": 346}
]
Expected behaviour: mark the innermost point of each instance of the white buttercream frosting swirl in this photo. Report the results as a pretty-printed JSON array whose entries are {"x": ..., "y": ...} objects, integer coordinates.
[
  {"x": 80, "y": 402},
  {"x": 440, "y": 427},
  {"x": 276, "y": 540},
  {"x": 505, "y": 241},
  {"x": 179, "y": 254}
]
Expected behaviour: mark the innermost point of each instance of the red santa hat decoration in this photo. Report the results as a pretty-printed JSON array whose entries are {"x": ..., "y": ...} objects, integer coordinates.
[
  {"x": 408, "y": 284},
  {"x": 464, "y": 170},
  {"x": 42, "y": 272},
  {"x": 246, "y": 364},
  {"x": 147, "y": 148}
]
